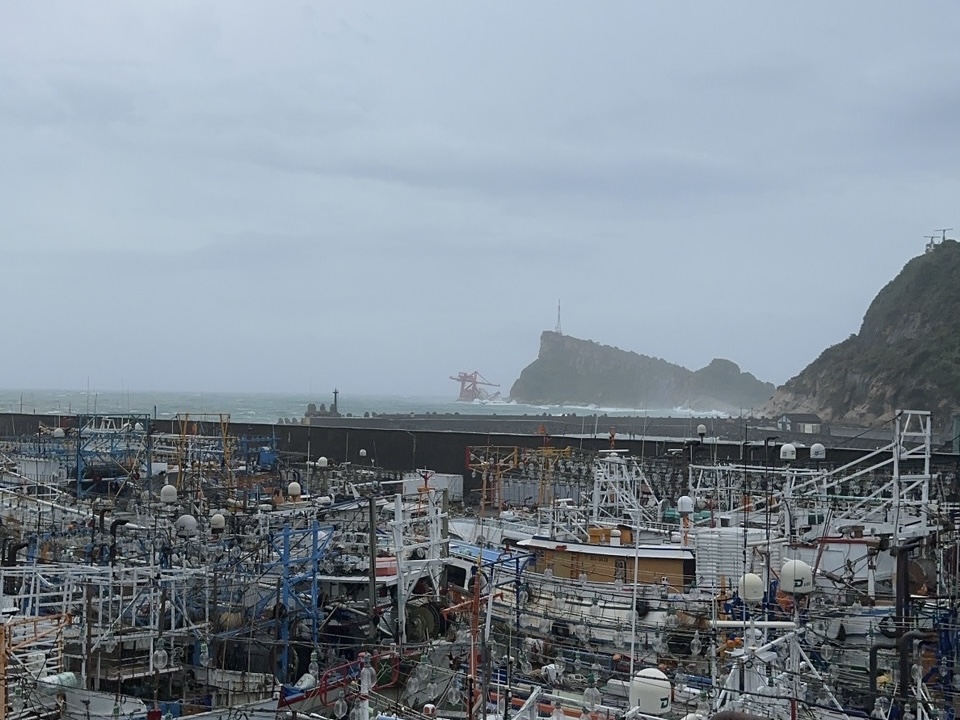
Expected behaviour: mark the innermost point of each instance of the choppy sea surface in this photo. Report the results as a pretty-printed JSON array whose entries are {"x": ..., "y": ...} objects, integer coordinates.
[{"x": 277, "y": 407}]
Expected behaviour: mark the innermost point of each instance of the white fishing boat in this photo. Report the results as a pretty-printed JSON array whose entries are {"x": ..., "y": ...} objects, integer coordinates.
[{"x": 590, "y": 589}]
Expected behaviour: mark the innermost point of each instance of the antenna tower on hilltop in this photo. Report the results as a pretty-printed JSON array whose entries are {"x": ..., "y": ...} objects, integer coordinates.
[
  {"x": 558, "y": 329},
  {"x": 932, "y": 239}
]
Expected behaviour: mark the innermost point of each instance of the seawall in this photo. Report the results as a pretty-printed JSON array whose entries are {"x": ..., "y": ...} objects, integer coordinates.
[{"x": 441, "y": 442}]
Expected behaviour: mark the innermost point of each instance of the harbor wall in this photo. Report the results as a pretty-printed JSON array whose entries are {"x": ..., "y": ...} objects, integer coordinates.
[{"x": 409, "y": 447}]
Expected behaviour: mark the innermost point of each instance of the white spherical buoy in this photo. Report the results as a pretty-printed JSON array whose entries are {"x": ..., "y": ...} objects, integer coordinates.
[
  {"x": 796, "y": 577},
  {"x": 650, "y": 692},
  {"x": 750, "y": 588}
]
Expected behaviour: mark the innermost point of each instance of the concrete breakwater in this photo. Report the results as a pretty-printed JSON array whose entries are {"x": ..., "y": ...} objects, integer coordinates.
[
  {"x": 442, "y": 442},
  {"x": 407, "y": 442}
]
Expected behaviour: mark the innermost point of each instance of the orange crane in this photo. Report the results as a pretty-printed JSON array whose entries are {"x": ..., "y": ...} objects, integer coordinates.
[{"x": 470, "y": 387}]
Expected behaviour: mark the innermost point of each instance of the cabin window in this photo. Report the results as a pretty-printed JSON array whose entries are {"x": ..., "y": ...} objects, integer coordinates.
[
  {"x": 689, "y": 574},
  {"x": 457, "y": 576},
  {"x": 620, "y": 570}
]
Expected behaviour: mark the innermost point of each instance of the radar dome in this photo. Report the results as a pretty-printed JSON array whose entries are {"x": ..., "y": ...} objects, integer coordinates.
[
  {"x": 168, "y": 494},
  {"x": 788, "y": 452},
  {"x": 796, "y": 577},
  {"x": 59, "y": 432},
  {"x": 218, "y": 522},
  {"x": 186, "y": 526},
  {"x": 650, "y": 692},
  {"x": 750, "y": 587},
  {"x": 293, "y": 489},
  {"x": 685, "y": 505},
  {"x": 818, "y": 452},
  {"x": 322, "y": 461}
]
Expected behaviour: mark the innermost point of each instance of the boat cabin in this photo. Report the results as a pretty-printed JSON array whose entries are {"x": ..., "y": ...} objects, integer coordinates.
[{"x": 609, "y": 563}]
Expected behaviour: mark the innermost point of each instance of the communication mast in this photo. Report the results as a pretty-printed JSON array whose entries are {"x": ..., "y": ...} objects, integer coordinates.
[{"x": 932, "y": 239}]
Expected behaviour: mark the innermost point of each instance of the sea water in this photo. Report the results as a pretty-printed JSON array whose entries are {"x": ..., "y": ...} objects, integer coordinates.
[{"x": 283, "y": 407}]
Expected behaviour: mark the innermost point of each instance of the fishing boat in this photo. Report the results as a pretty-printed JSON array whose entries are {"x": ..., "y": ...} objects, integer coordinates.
[
  {"x": 200, "y": 584},
  {"x": 729, "y": 549}
]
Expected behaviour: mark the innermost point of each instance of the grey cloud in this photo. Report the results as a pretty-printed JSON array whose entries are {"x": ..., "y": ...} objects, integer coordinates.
[
  {"x": 559, "y": 172},
  {"x": 436, "y": 175}
]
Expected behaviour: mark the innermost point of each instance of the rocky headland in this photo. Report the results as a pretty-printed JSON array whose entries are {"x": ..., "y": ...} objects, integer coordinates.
[
  {"x": 905, "y": 356},
  {"x": 571, "y": 371}
]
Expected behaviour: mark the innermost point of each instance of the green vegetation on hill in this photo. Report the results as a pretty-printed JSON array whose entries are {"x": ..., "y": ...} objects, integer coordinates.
[{"x": 906, "y": 355}]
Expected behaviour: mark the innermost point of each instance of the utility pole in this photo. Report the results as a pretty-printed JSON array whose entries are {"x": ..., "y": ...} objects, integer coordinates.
[{"x": 373, "y": 564}]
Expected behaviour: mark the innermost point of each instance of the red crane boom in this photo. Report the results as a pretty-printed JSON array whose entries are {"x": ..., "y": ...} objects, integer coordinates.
[{"x": 470, "y": 387}]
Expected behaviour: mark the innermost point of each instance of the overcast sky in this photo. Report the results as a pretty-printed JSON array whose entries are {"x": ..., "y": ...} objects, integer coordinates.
[{"x": 291, "y": 196}]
